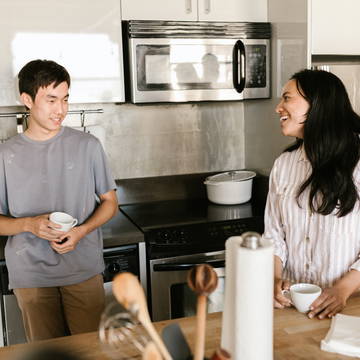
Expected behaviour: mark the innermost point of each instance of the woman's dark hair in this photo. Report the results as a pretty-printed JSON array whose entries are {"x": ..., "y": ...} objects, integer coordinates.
[
  {"x": 41, "y": 73},
  {"x": 331, "y": 142}
]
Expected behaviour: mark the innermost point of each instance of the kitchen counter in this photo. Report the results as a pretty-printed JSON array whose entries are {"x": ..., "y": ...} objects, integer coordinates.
[
  {"x": 295, "y": 337},
  {"x": 116, "y": 232},
  {"x": 121, "y": 231}
]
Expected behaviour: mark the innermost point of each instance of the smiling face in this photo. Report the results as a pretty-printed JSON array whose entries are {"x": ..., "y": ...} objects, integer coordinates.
[
  {"x": 47, "y": 111},
  {"x": 292, "y": 110}
]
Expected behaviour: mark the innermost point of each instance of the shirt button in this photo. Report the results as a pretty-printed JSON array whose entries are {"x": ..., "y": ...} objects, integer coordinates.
[
  {"x": 307, "y": 238},
  {"x": 307, "y": 266}
]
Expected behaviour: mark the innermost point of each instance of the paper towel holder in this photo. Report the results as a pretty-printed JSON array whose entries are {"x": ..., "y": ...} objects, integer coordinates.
[{"x": 251, "y": 240}]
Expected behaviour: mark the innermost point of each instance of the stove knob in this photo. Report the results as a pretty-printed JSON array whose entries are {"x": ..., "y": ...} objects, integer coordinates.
[
  {"x": 165, "y": 236},
  {"x": 113, "y": 268}
]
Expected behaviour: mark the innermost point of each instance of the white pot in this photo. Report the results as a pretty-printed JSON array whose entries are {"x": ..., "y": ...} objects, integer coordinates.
[{"x": 230, "y": 188}]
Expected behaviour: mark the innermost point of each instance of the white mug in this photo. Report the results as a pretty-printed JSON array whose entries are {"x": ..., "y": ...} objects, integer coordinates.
[
  {"x": 303, "y": 295},
  {"x": 65, "y": 220}
]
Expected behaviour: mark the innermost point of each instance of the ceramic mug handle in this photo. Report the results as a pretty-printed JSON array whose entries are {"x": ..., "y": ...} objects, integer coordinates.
[
  {"x": 74, "y": 222},
  {"x": 287, "y": 294}
]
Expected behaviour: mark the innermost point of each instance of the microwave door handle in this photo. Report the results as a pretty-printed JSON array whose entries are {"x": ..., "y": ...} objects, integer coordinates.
[
  {"x": 239, "y": 58},
  {"x": 187, "y": 266}
]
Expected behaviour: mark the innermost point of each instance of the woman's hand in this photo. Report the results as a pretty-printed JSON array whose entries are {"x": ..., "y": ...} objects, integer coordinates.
[
  {"x": 333, "y": 299},
  {"x": 280, "y": 300}
]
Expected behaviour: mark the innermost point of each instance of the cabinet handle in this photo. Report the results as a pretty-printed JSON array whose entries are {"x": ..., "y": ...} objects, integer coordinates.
[
  {"x": 207, "y": 6},
  {"x": 188, "y": 8}
]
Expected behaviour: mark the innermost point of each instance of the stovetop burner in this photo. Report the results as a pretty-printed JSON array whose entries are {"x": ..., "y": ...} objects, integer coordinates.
[
  {"x": 160, "y": 214},
  {"x": 181, "y": 227}
]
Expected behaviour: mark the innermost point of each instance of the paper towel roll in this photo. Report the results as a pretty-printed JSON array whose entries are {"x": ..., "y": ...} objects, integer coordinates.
[{"x": 247, "y": 327}]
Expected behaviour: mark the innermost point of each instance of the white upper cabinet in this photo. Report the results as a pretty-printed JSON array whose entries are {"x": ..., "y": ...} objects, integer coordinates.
[
  {"x": 335, "y": 27},
  {"x": 84, "y": 36},
  {"x": 195, "y": 10},
  {"x": 177, "y": 10},
  {"x": 233, "y": 10}
]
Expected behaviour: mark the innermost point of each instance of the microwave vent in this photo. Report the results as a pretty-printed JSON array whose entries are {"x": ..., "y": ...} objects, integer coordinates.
[{"x": 198, "y": 29}]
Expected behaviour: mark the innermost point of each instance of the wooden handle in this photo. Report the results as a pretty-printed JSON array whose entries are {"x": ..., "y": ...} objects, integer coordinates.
[
  {"x": 151, "y": 352},
  {"x": 128, "y": 292},
  {"x": 157, "y": 340},
  {"x": 220, "y": 354},
  {"x": 200, "y": 327}
]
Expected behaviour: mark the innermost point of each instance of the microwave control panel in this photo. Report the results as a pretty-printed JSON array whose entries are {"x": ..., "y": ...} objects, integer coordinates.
[{"x": 255, "y": 66}]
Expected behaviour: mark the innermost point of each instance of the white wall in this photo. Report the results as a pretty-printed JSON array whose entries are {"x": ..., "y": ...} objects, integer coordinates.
[{"x": 263, "y": 138}]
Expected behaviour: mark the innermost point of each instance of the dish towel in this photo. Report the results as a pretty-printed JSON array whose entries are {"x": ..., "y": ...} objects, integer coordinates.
[{"x": 343, "y": 336}]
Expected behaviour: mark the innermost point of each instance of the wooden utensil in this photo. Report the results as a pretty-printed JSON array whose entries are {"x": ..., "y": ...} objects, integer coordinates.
[
  {"x": 128, "y": 291},
  {"x": 202, "y": 279},
  {"x": 220, "y": 354},
  {"x": 151, "y": 352}
]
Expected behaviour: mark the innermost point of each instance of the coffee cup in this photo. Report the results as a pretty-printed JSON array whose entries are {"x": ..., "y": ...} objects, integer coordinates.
[
  {"x": 66, "y": 221},
  {"x": 303, "y": 295}
]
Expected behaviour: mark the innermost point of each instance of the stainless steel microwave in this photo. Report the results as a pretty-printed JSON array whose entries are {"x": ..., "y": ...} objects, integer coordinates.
[{"x": 170, "y": 61}]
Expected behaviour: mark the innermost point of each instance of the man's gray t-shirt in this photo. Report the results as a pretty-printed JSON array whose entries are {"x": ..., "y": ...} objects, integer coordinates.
[{"x": 38, "y": 177}]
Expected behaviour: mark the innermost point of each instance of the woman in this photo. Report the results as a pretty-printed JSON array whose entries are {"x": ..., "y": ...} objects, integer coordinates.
[{"x": 313, "y": 207}]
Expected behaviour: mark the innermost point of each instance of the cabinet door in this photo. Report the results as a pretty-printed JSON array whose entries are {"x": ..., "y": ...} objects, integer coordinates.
[
  {"x": 84, "y": 36},
  {"x": 233, "y": 10},
  {"x": 178, "y": 10},
  {"x": 335, "y": 27}
]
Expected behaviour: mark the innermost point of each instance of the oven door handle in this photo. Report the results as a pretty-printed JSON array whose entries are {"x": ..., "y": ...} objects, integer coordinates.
[{"x": 187, "y": 266}]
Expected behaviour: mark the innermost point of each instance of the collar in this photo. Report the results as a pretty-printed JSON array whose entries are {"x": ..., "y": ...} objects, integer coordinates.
[{"x": 302, "y": 154}]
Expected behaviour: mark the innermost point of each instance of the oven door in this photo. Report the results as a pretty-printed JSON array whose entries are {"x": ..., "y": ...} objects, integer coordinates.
[
  {"x": 129, "y": 258},
  {"x": 12, "y": 328},
  {"x": 181, "y": 70},
  {"x": 171, "y": 297}
]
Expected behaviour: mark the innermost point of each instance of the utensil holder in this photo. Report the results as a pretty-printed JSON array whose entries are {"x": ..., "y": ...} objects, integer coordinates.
[{"x": 177, "y": 345}]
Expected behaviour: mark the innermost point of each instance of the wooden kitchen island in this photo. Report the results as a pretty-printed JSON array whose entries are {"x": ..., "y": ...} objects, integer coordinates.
[{"x": 295, "y": 337}]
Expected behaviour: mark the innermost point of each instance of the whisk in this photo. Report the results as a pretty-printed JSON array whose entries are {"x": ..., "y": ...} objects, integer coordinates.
[{"x": 119, "y": 327}]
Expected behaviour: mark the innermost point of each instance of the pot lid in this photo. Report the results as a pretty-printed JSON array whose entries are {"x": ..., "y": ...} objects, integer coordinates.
[{"x": 230, "y": 176}]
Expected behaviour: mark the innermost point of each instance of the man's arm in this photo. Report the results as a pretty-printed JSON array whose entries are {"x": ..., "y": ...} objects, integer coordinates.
[
  {"x": 38, "y": 225},
  {"x": 107, "y": 209},
  {"x": 104, "y": 212}
]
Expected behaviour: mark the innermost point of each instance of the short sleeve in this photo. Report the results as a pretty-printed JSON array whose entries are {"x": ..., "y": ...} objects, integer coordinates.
[
  {"x": 4, "y": 208},
  {"x": 104, "y": 181}
]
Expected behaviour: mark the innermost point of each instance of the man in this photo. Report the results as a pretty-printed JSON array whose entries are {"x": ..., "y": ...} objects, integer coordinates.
[{"x": 55, "y": 275}]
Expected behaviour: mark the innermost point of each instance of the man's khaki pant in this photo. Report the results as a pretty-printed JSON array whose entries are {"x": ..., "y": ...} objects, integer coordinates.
[{"x": 55, "y": 311}]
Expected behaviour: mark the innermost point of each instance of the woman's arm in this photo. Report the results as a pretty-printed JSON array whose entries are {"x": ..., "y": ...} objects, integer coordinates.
[
  {"x": 280, "y": 300},
  {"x": 275, "y": 232},
  {"x": 274, "y": 229}
]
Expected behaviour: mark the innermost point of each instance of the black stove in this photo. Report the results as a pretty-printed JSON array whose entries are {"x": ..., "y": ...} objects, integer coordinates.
[{"x": 189, "y": 226}]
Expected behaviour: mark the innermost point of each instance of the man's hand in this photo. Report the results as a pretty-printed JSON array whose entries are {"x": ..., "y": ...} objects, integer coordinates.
[
  {"x": 43, "y": 228},
  {"x": 68, "y": 241},
  {"x": 280, "y": 300}
]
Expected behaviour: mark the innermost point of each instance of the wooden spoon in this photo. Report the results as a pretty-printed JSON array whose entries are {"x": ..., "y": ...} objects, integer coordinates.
[
  {"x": 128, "y": 291},
  {"x": 202, "y": 279},
  {"x": 220, "y": 354},
  {"x": 151, "y": 352}
]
